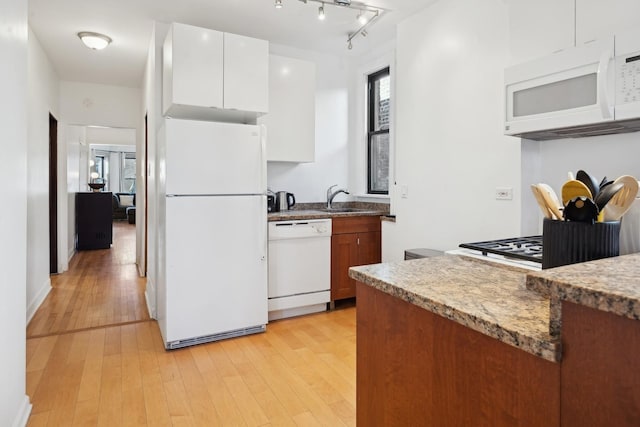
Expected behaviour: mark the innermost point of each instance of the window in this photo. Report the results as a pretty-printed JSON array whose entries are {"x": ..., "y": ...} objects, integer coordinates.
[
  {"x": 129, "y": 173},
  {"x": 378, "y": 132}
]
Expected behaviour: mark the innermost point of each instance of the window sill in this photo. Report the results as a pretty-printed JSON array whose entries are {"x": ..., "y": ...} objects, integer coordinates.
[{"x": 377, "y": 197}]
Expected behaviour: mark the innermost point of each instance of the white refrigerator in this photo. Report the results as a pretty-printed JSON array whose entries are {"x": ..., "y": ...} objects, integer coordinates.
[{"x": 213, "y": 246}]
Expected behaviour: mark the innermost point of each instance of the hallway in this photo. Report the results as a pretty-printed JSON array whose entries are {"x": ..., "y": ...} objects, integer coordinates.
[
  {"x": 101, "y": 288},
  {"x": 94, "y": 358}
]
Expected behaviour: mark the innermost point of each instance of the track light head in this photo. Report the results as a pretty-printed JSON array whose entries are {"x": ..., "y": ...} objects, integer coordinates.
[
  {"x": 321, "y": 15},
  {"x": 278, "y": 4}
]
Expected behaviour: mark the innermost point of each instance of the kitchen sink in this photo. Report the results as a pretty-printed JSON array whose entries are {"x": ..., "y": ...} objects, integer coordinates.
[{"x": 342, "y": 210}]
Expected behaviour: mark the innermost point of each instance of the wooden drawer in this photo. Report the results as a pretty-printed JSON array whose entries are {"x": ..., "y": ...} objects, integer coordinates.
[{"x": 355, "y": 224}]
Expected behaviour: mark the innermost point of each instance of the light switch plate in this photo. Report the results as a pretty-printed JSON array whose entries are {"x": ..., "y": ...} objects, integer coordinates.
[{"x": 504, "y": 193}]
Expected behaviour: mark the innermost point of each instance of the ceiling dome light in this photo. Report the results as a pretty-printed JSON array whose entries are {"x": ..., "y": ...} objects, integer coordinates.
[
  {"x": 94, "y": 41},
  {"x": 278, "y": 4},
  {"x": 321, "y": 12}
]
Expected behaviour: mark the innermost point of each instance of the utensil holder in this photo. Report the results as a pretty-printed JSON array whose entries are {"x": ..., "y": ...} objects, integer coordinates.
[{"x": 570, "y": 242}]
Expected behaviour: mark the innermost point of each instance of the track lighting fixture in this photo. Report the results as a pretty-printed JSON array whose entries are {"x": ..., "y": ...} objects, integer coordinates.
[{"x": 366, "y": 14}]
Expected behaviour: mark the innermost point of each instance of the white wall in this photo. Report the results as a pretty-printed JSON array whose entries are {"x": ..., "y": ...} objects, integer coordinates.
[
  {"x": 97, "y": 104},
  {"x": 309, "y": 181},
  {"x": 75, "y": 137},
  {"x": 43, "y": 99},
  {"x": 14, "y": 403},
  {"x": 151, "y": 106},
  {"x": 450, "y": 151}
]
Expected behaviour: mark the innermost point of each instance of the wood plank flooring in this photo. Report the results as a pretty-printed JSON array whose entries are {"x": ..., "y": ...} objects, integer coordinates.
[
  {"x": 100, "y": 288},
  {"x": 83, "y": 371}
]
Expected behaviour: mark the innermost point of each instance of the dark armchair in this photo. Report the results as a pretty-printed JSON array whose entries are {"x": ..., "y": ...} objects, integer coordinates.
[{"x": 120, "y": 203}]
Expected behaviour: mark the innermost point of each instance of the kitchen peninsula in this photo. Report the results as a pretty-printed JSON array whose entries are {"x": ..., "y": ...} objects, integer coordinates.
[{"x": 455, "y": 341}]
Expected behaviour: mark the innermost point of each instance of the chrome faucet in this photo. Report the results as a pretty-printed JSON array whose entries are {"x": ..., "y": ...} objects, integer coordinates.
[{"x": 332, "y": 194}]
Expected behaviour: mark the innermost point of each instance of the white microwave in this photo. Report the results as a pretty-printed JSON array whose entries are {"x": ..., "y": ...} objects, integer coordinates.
[{"x": 593, "y": 89}]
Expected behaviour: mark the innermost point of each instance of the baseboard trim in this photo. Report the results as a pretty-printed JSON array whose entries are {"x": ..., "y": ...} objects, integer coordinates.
[
  {"x": 23, "y": 414},
  {"x": 71, "y": 253},
  {"x": 38, "y": 300},
  {"x": 151, "y": 308}
]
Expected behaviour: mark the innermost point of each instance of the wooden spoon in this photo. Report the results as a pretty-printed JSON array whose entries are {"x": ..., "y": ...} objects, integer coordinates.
[
  {"x": 537, "y": 193},
  {"x": 551, "y": 199},
  {"x": 622, "y": 200},
  {"x": 574, "y": 188}
]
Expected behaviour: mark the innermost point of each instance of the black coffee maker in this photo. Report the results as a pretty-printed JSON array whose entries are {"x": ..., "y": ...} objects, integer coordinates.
[{"x": 271, "y": 203}]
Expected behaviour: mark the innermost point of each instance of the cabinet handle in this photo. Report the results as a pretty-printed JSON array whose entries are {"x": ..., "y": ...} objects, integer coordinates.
[{"x": 358, "y": 241}]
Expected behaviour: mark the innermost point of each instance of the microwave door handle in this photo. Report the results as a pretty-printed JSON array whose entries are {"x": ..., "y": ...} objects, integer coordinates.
[{"x": 603, "y": 90}]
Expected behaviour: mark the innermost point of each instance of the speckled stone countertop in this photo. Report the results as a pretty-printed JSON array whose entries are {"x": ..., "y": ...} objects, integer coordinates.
[
  {"x": 610, "y": 284},
  {"x": 317, "y": 211},
  {"x": 487, "y": 298}
]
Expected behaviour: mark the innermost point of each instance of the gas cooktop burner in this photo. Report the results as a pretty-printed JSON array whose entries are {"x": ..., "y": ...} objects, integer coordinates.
[{"x": 526, "y": 248}]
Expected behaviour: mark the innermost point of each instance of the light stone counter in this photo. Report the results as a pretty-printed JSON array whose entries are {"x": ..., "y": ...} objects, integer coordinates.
[
  {"x": 611, "y": 285},
  {"x": 316, "y": 211},
  {"x": 484, "y": 297}
]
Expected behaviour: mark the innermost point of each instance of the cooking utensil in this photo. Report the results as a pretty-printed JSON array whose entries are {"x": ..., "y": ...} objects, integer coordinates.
[
  {"x": 603, "y": 181},
  {"x": 622, "y": 200},
  {"x": 607, "y": 193},
  {"x": 537, "y": 193},
  {"x": 551, "y": 200},
  {"x": 581, "y": 209},
  {"x": 591, "y": 183},
  {"x": 572, "y": 189}
]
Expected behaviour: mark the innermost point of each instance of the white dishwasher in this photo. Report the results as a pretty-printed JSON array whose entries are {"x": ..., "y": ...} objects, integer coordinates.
[{"x": 299, "y": 267}]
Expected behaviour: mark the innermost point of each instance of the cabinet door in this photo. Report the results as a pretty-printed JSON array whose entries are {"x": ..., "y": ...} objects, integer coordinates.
[
  {"x": 292, "y": 110},
  {"x": 598, "y": 19},
  {"x": 369, "y": 248},
  {"x": 246, "y": 73},
  {"x": 344, "y": 254},
  {"x": 539, "y": 28},
  {"x": 192, "y": 67}
]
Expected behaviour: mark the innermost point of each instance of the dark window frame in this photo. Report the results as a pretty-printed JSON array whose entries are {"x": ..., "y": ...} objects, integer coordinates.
[{"x": 370, "y": 123}]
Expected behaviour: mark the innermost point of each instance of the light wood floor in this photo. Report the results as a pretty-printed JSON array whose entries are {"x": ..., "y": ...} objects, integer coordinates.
[
  {"x": 101, "y": 287},
  {"x": 300, "y": 372}
]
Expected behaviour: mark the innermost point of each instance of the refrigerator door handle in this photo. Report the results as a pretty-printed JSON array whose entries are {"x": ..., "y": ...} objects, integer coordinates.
[{"x": 263, "y": 227}]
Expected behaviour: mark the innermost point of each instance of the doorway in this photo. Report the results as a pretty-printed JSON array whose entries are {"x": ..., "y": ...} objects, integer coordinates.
[{"x": 53, "y": 194}]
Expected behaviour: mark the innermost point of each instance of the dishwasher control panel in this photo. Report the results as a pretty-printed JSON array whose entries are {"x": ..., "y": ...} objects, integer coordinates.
[{"x": 299, "y": 229}]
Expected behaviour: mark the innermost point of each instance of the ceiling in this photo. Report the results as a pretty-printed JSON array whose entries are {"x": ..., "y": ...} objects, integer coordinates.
[{"x": 129, "y": 23}]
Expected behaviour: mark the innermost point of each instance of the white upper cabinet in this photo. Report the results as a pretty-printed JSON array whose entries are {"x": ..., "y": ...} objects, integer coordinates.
[
  {"x": 597, "y": 19},
  {"x": 292, "y": 109},
  {"x": 538, "y": 28},
  {"x": 210, "y": 75},
  {"x": 246, "y": 73}
]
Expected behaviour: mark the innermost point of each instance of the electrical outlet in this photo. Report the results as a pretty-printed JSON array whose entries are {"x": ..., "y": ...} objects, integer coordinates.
[
  {"x": 404, "y": 191},
  {"x": 504, "y": 193}
]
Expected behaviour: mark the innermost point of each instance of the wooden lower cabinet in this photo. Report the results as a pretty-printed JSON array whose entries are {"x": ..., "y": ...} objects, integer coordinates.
[
  {"x": 415, "y": 368},
  {"x": 600, "y": 368},
  {"x": 354, "y": 241}
]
